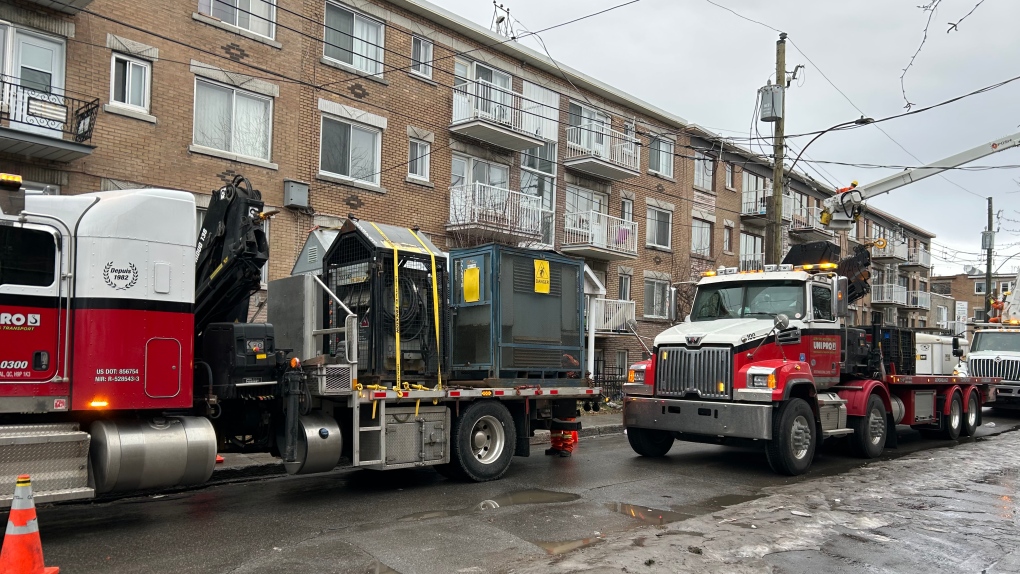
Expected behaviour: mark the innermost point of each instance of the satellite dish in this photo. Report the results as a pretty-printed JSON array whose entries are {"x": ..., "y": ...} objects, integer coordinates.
[{"x": 500, "y": 19}]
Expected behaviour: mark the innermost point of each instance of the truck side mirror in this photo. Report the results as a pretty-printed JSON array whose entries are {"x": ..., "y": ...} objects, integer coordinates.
[
  {"x": 956, "y": 343},
  {"x": 957, "y": 352},
  {"x": 840, "y": 307},
  {"x": 781, "y": 321}
]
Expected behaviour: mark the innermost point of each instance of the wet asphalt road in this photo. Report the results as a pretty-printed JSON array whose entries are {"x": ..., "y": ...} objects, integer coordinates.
[{"x": 416, "y": 521}]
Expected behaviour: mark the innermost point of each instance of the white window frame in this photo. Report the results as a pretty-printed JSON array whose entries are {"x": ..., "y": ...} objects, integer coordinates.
[
  {"x": 381, "y": 46},
  {"x": 234, "y": 90},
  {"x": 146, "y": 86},
  {"x": 648, "y": 308},
  {"x": 1005, "y": 286},
  {"x": 627, "y": 209},
  {"x": 665, "y": 157},
  {"x": 377, "y": 168},
  {"x": 205, "y": 7},
  {"x": 704, "y": 171},
  {"x": 979, "y": 288},
  {"x": 649, "y": 235},
  {"x": 537, "y": 172},
  {"x": 422, "y": 67},
  {"x": 625, "y": 366},
  {"x": 730, "y": 182},
  {"x": 629, "y": 282},
  {"x": 423, "y": 158},
  {"x": 695, "y": 225},
  {"x": 727, "y": 239}
]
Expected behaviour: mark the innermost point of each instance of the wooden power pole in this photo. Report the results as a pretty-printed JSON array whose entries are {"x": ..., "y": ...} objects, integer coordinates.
[{"x": 774, "y": 228}]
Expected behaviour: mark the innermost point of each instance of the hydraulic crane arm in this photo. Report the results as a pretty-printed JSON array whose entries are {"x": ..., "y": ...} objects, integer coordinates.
[{"x": 840, "y": 211}]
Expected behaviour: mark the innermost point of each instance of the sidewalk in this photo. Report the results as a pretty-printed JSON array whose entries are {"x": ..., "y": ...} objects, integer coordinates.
[
  {"x": 245, "y": 465},
  {"x": 948, "y": 509}
]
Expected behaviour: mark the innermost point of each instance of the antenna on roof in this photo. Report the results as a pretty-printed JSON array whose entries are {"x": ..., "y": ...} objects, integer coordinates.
[{"x": 501, "y": 21}]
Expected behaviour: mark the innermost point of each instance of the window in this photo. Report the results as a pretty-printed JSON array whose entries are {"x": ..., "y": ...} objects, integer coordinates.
[
  {"x": 979, "y": 287},
  {"x": 701, "y": 238},
  {"x": 942, "y": 315},
  {"x": 727, "y": 239},
  {"x": 754, "y": 182},
  {"x": 581, "y": 200},
  {"x": 624, "y": 292},
  {"x": 656, "y": 298},
  {"x": 621, "y": 362},
  {"x": 199, "y": 221},
  {"x": 418, "y": 160},
  {"x": 821, "y": 302},
  {"x": 627, "y": 209},
  {"x": 28, "y": 257},
  {"x": 703, "y": 167},
  {"x": 129, "y": 82},
  {"x": 659, "y": 222},
  {"x": 538, "y": 177},
  {"x": 256, "y": 16},
  {"x": 233, "y": 120},
  {"x": 421, "y": 57},
  {"x": 660, "y": 157},
  {"x": 349, "y": 151},
  {"x": 586, "y": 129},
  {"x": 353, "y": 39},
  {"x": 729, "y": 177},
  {"x": 1005, "y": 286}
]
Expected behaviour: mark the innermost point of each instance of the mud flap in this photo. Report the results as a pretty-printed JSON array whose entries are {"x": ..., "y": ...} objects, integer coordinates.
[
  {"x": 522, "y": 423},
  {"x": 892, "y": 438}
]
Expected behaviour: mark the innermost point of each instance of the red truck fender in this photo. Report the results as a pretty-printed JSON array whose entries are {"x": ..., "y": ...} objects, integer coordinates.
[
  {"x": 856, "y": 397},
  {"x": 964, "y": 397}
]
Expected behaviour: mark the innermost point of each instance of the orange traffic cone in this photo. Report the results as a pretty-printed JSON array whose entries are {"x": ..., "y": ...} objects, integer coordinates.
[{"x": 22, "y": 550}]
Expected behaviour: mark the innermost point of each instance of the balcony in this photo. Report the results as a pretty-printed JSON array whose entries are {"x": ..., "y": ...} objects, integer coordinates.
[
  {"x": 918, "y": 257},
  {"x": 599, "y": 236},
  {"x": 954, "y": 327},
  {"x": 601, "y": 151},
  {"x": 611, "y": 316},
  {"x": 889, "y": 294},
  {"x": 806, "y": 224},
  {"x": 893, "y": 251},
  {"x": 919, "y": 299},
  {"x": 753, "y": 206},
  {"x": 67, "y": 6},
  {"x": 752, "y": 262},
  {"x": 487, "y": 112},
  {"x": 44, "y": 126},
  {"x": 493, "y": 213}
]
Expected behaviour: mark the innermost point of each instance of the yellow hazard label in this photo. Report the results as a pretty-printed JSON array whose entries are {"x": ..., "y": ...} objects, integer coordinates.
[
  {"x": 472, "y": 285},
  {"x": 260, "y": 356},
  {"x": 541, "y": 276}
]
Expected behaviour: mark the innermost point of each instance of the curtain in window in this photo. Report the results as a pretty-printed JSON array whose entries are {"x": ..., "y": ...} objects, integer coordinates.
[
  {"x": 339, "y": 34},
  {"x": 363, "y": 155},
  {"x": 256, "y": 15},
  {"x": 212, "y": 116},
  {"x": 367, "y": 53},
  {"x": 251, "y": 126}
]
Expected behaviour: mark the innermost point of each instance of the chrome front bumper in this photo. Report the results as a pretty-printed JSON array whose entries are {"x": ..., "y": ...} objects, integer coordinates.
[{"x": 699, "y": 417}]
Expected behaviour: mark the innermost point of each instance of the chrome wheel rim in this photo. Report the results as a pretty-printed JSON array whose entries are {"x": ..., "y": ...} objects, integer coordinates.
[
  {"x": 800, "y": 437},
  {"x": 876, "y": 426},
  {"x": 487, "y": 439},
  {"x": 972, "y": 412},
  {"x": 955, "y": 414}
]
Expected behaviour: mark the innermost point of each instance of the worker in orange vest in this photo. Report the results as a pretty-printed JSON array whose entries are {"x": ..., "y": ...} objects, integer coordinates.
[{"x": 853, "y": 185}]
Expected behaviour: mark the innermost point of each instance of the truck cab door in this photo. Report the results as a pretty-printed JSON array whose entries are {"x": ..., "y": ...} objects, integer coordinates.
[{"x": 32, "y": 319}]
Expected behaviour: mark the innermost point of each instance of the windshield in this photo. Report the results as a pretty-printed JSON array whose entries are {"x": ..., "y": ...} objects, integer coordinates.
[
  {"x": 1004, "y": 341},
  {"x": 749, "y": 299}
]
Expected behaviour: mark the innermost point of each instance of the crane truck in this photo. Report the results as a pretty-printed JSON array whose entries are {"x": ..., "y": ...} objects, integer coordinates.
[
  {"x": 768, "y": 356},
  {"x": 127, "y": 359}
]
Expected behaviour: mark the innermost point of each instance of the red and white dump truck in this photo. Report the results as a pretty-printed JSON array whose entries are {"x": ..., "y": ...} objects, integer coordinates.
[
  {"x": 769, "y": 356},
  {"x": 127, "y": 362}
]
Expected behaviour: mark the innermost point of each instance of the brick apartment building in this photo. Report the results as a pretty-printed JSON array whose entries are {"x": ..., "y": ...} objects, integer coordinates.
[
  {"x": 395, "y": 111},
  {"x": 969, "y": 293}
]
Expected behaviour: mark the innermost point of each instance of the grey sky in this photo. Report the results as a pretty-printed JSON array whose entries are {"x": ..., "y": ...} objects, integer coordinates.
[{"x": 705, "y": 65}]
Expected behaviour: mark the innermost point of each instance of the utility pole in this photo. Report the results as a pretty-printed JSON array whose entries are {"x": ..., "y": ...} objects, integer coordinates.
[
  {"x": 989, "y": 241},
  {"x": 774, "y": 233}
]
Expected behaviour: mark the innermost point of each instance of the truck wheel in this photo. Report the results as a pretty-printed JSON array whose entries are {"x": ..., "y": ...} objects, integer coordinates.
[
  {"x": 868, "y": 439},
  {"x": 794, "y": 440},
  {"x": 482, "y": 442},
  {"x": 649, "y": 442},
  {"x": 952, "y": 423},
  {"x": 972, "y": 415}
]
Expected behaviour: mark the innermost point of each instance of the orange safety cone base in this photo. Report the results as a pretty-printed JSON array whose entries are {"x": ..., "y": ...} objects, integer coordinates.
[{"x": 22, "y": 549}]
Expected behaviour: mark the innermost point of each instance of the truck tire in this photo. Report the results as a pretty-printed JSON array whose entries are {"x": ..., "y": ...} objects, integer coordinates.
[
  {"x": 972, "y": 416},
  {"x": 482, "y": 442},
  {"x": 794, "y": 439},
  {"x": 952, "y": 424},
  {"x": 649, "y": 442},
  {"x": 870, "y": 430}
]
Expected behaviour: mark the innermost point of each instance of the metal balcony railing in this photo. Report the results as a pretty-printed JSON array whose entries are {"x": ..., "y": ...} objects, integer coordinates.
[
  {"x": 806, "y": 219},
  {"x": 482, "y": 100},
  {"x": 752, "y": 262},
  {"x": 595, "y": 229},
  {"x": 954, "y": 327},
  {"x": 890, "y": 293},
  {"x": 603, "y": 142},
  {"x": 919, "y": 256},
  {"x": 611, "y": 315},
  {"x": 893, "y": 250},
  {"x": 498, "y": 209},
  {"x": 919, "y": 299},
  {"x": 755, "y": 202},
  {"x": 50, "y": 113}
]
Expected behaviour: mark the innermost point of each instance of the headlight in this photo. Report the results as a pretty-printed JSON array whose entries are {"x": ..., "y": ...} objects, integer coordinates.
[
  {"x": 760, "y": 381},
  {"x": 637, "y": 376}
]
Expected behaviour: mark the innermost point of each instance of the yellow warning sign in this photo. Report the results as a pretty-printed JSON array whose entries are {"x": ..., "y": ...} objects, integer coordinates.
[
  {"x": 471, "y": 284},
  {"x": 541, "y": 276}
]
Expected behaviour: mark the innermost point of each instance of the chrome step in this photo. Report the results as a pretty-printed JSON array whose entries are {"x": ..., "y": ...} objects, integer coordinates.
[{"x": 55, "y": 456}]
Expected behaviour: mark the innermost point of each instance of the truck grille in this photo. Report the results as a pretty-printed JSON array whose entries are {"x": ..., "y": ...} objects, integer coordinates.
[
  {"x": 1007, "y": 369},
  {"x": 681, "y": 371}
]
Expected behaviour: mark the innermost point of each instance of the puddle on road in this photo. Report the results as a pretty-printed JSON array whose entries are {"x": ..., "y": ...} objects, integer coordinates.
[
  {"x": 715, "y": 504},
  {"x": 562, "y": 547},
  {"x": 533, "y": 496},
  {"x": 380, "y": 568},
  {"x": 653, "y": 516}
]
